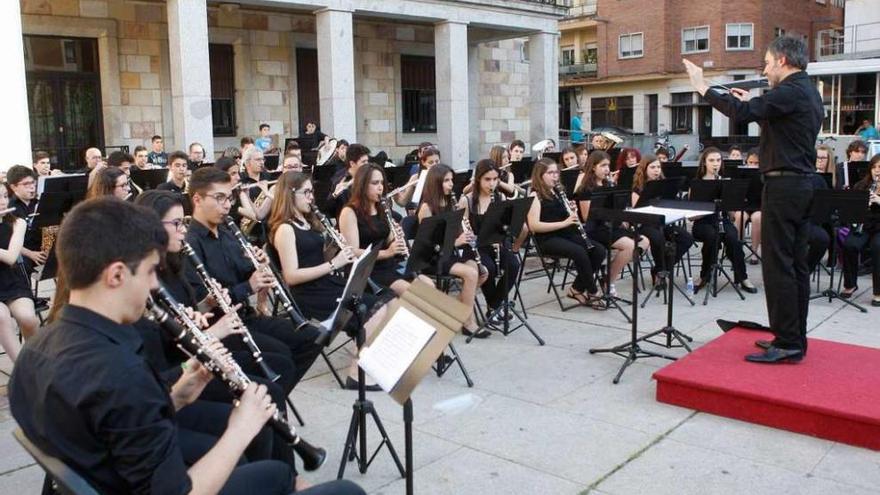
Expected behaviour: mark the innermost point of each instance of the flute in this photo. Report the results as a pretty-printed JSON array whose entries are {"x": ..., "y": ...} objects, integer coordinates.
[
  {"x": 203, "y": 346},
  {"x": 248, "y": 187}
]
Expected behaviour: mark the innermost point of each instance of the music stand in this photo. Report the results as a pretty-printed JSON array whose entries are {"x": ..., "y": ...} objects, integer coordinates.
[
  {"x": 556, "y": 156},
  {"x": 838, "y": 208},
  {"x": 685, "y": 172},
  {"x": 855, "y": 171},
  {"x": 501, "y": 225},
  {"x": 568, "y": 178},
  {"x": 460, "y": 180},
  {"x": 271, "y": 162},
  {"x": 753, "y": 200},
  {"x": 397, "y": 176},
  {"x": 729, "y": 167},
  {"x": 149, "y": 179},
  {"x": 632, "y": 351},
  {"x": 522, "y": 170},
  {"x": 660, "y": 189},
  {"x": 625, "y": 176}
]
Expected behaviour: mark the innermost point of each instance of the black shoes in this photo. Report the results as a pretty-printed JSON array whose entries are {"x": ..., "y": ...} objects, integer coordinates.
[
  {"x": 352, "y": 384},
  {"x": 479, "y": 334},
  {"x": 764, "y": 344},
  {"x": 775, "y": 355},
  {"x": 875, "y": 302}
]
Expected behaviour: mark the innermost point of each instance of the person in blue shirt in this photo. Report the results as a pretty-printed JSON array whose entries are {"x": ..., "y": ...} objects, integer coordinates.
[
  {"x": 867, "y": 131},
  {"x": 576, "y": 135},
  {"x": 264, "y": 142}
]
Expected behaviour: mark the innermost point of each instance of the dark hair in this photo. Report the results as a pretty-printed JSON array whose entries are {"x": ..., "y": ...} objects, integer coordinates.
[
  {"x": 793, "y": 49},
  {"x": 40, "y": 155},
  {"x": 588, "y": 183},
  {"x": 359, "y": 201},
  {"x": 753, "y": 151},
  {"x": 482, "y": 168},
  {"x": 18, "y": 173},
  {"x": 342, "y": 142},
  {"x": 224, "y": 163},
  {"x": 866, "y": 181},
  {"x": 104, "y": 183},
  {"x": 428, "y": 152},
  {"x": 291, "y": 145},
  {"x": 155, "y": 138},
  {"x": 641, "y": 175},
  {"x": 139, "y": 148},
  {"x": 355, "y": 152},
  {"x": 102, "y": 231},
  {"x": 195, "y": 143},
  {"x": 662, "y": 151},
  {"x": 432, "y": 194},
  {"x": 515, "y": 143},
  {"x": 266, "y": 126},
  {"x": 853, "y": 146},
  {"x": 701, "y": 168},
  {"x": 734, "y": 148},
  {"x": 246, "y": 140},
  {"x": 542, "y": 191},
  {"x": 203, "y": 178},
  {"x": 117, "y": 158},
  {"x": 161, "y": 202},
  {"x": 177, "y": 155}
]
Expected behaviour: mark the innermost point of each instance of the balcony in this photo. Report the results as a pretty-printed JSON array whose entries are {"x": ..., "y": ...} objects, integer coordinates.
[
  {"x": 856, "y": 41},
  {"x": 581, "y": 8},
  {"x": 577, "y": 70}
]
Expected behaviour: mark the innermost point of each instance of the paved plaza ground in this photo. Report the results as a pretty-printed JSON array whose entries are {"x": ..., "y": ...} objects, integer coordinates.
[{"x": 548, "y": 420}]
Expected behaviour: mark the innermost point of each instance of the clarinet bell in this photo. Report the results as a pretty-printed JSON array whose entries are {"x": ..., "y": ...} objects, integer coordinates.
[{"x": 312, "y": 457}]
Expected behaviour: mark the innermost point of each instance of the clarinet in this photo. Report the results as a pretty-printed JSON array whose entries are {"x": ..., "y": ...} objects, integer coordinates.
[
  {"x": 384, "y": 204},
  {"x": 278, "y": 289},
  {"x": 871, "y": 190},
  {"x": 195, "y": 343},
  {"x": 499, "y": 271},
  {"x": 216, "y": 291},
  {"x": 334, "y": 234},
  {"x": 466, "y": 226},
  {"x": 559, "y": 189}
]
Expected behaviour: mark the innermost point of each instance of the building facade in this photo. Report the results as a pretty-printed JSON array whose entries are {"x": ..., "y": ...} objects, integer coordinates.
[
  {"x": 389, "y": 74},
  {"x": 626, "y": 68}
]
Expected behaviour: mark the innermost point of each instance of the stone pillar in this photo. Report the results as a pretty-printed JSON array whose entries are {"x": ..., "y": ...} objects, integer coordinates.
[
  {"x": 474, "y": 102},
  {"x": 16, "y": 122},
  {"x": 543, "y": 87},
  {"x": 190, "y": 74},
  {"x": 336, "y": 74},
  {"x": 453, "y": 126}
]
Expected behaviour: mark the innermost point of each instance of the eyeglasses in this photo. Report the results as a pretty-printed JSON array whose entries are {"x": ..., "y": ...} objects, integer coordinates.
[
  {"x": 220, "y": 197},
  {"x": 124, "y": 185},
  {"x": 305, "y": 192},
  {"x": 178, "y": 223}
]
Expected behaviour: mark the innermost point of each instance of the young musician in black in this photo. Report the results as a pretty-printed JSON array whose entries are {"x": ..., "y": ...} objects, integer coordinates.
[
  {"x": 224, "y": 259},
  {"x": 705, "y": 230},
  {"x": 22, "y": 184},
  {"x": 487, "y": 181},
  {"x": 16, "y": 304},
  {"x": 856, "y": 151},
  {"x": 650, "y": 170},
  {"x": 177, "y": 165},
  {"x": 554, "y": 225},
  {"x": 110, "y": 181},
  {"x": 517, "y": 148},
  {"x": 82, "y": 391},
  {"x": 436, "y": 199},
  {"x": 596, "y": 175},
  {"x": 356, "y": 157},
  {"x": 867, "y": 235}
]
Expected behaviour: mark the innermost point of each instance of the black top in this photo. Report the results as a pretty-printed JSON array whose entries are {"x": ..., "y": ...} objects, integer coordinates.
[
  {"x": 82, "y": 391},
  {"x": 872, "y": 220},
  {"x": 790, "y": 116},
  {"x": 254, "y": 192},
  {"x": 33, "y": 239},
  {"x": 224, "y": 260},
  {"x": 170, "y": 186},
  {"x": 335, "y": 204},
  {"x": 373, "y": 230},
  {"x": 552, "y": 210},
  {"x": 310, "y": 141}
]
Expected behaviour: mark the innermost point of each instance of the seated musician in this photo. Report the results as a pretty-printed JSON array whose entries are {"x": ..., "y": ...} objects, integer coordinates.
[
  {"x": 705, "y": 230},
  {"x": 554, "y": 225},
  {"x": 628, "y": 158},
  {"x": 356, "y": 157},
  {"x": 436, "y": 199},
  {"x": 110, "y": 181},
  {"x": 569, "y": 159},
  {"x": 754, "y": 217},
  {"x": 868, "y": 236},
  {"x": 16, "y": 302},
  {"x": 594, "y": 176},
  {"x": 516, "y": 149}
]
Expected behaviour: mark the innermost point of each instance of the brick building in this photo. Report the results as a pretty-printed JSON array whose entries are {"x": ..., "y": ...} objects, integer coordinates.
[
  {"x": 388, "y": 74},
  {"x": 636, "y": 80}
]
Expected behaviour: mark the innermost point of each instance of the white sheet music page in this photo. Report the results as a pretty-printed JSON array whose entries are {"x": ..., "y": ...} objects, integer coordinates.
[
  {"x": 420, "y": 185},
  {"x": 396, "y": 347},
  {"x": 672, "y": 214},
  {"x": 328, "y": 323}
]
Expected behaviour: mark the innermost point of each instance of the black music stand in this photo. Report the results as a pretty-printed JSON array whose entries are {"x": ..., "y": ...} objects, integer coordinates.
[
  {"x": 625, "y": 176},
  {"x": 522, "y": 170},
  {"x": 556, "y": 156},
  {"x": 271, "y": 162},
  {"x": 433, "y": 245},
  {"x": 352, "y": 306},
  {"x": 728, "y": 195},
  {"x": 149, "y": 179},
  {"x": 501, "y": 225},
  {"x": 854, "y": 171},
  {"x": 397, "y": 176},
  {"x": 685, "y": 172},
  {"x": 568, "y": 179},
  {"x": 460, "y": 180},
  {"x": 632, "y": 350},
  {"x": 838, "y": 208},
  {"x": 753, "y": 199}
]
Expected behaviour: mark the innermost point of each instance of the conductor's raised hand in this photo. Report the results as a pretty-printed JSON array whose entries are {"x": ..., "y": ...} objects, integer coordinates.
[
  {"x": 740, "y": 94},
  {"x": 695, "y": 73}
]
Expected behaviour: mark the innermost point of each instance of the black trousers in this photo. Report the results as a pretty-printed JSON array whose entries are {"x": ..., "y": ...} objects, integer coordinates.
[
  {"x": 301, "y": 343},
  {"x": 585, "y": 261},
  {"x": 706, "y": 231},
  {"x": 820, "y": 241},
  {"x": 657, "y": 237},
  {"x": 852, "y": 248},
  {"x": 261, "y": 477},
  {"x": 202, "y": 423},
  {"x": 493, "y": 288},
  {"x": 785, "y": 234}
]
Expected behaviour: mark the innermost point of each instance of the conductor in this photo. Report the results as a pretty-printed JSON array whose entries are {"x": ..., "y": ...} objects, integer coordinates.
[{"x": 790, "y": 115}]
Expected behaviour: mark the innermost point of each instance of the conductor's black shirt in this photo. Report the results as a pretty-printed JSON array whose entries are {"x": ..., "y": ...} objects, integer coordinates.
[
  {"x": 82, "y": 391},
  {"x": 790, "y": 116}
]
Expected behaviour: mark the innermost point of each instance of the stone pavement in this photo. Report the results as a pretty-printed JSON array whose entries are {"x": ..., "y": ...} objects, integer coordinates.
[{"x": 549, "y": 420}]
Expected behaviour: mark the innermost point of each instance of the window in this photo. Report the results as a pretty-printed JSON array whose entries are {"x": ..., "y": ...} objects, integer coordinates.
[
  {"x": 739, "y": 36},
  {"x": 591, "y": 53},
  {"x": 419, "y": 92},
  {"x": 524, "y": 51},
  {"x": 221, "y": 61},
  {"x": 682, "y": 113},
  {"x": 615, "y": 110},
  {"x": 567, "y": 57},
  {"x": 631, "y": 45},
  {"x": 651, "y": 101},
  {"x": 777, "y": 32},
  {"x": 695, "y": 40}
]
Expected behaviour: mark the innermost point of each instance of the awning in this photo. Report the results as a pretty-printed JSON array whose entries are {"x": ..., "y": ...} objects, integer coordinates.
[
  {"x": 835, "y": 67},
  {"x": 687, "y": 104}
]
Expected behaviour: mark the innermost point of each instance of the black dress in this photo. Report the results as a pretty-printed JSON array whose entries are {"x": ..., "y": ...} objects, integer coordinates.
[
  {"x": 599, "y": 230},
  {"x": 13, "y": 284},
  {"x": 375, "y": 230}
]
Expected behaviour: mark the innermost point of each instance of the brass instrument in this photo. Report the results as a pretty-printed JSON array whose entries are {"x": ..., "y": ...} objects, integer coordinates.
[
  {"x": 559, "y": 189},
  {"x": 203, "y": 346},
  {"x": 215, "y": 290},
  {"x": 542, "y": 147},
  {"x": 247, "y": 224},
  {"x": 612, "y": 139}
]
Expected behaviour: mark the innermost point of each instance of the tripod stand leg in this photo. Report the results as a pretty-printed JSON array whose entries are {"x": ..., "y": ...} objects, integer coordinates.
[
  {"x": 294, "y": 411},
  {"x": 386, "y": 441},
  {"x": 464, "y": 372},
  {"x": 348, "y": 451}
]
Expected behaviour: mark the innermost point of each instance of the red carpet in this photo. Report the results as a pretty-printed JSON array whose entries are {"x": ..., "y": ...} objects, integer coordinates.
[{"x": 834, "y": 393}]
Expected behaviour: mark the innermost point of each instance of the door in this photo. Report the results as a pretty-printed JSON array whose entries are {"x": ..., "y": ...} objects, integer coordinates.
[
  {"x": 307, "y": 86},
  {"x": 705, "y": 122},
  {"x": 64, "y": 98}
]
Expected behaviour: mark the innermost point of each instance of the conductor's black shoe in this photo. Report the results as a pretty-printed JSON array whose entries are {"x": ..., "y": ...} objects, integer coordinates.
[
  {"x": 480, "y": 334},
  {"x": 775, "y": 355},
  {"x": 747, "y": 286},
  {"x": 875, "y": 302},
  {"x": 352, "y": 384},
  {"x": 764, "y": 344}
]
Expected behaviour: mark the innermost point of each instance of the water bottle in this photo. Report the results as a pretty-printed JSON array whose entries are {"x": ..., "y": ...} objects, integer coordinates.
[{"x": 690, "y": 286}]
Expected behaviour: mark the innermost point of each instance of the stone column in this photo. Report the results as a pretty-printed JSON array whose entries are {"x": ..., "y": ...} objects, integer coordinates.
[
  {"x": 190, "y": 74},
  {"x": 16, "y": 121},
  {"x": 543, "y": 87},
  {"x": 453, "y": 117},
  {"x": 336, "y": 74},
  {"x": 474, "y": 102}
]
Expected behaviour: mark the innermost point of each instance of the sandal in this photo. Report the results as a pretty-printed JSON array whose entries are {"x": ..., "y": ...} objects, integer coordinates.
[
  {"x": 597, "y": 303},
  {"x": 580, "y": 297},
  {"x": 848, "y": 292}
]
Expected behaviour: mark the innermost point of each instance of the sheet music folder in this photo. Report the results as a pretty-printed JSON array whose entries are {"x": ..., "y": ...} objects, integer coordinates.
[{"x": 417, "y": 328}]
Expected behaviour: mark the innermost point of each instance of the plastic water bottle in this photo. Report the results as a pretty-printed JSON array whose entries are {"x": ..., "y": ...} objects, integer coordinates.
[{"x": 690, "y": 286}]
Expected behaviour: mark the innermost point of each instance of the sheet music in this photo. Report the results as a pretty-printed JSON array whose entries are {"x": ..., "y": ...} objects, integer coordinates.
[
  {"x": 672, "y": 214},
  {"x": 396, "y": 347},
  {"x": 328, "y": 323},
  {"x": 417, "y": 194}
]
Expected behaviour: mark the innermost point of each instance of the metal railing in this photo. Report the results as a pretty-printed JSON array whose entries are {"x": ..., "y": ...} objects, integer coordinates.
[
  {"x": 578, "y": 70},
  {"x": 852, "y": 40},
  {"x": 582, "y": 8}
]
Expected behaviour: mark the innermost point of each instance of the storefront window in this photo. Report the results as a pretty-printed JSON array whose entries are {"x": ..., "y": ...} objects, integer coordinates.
[{"x": 849, "y": 99}]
